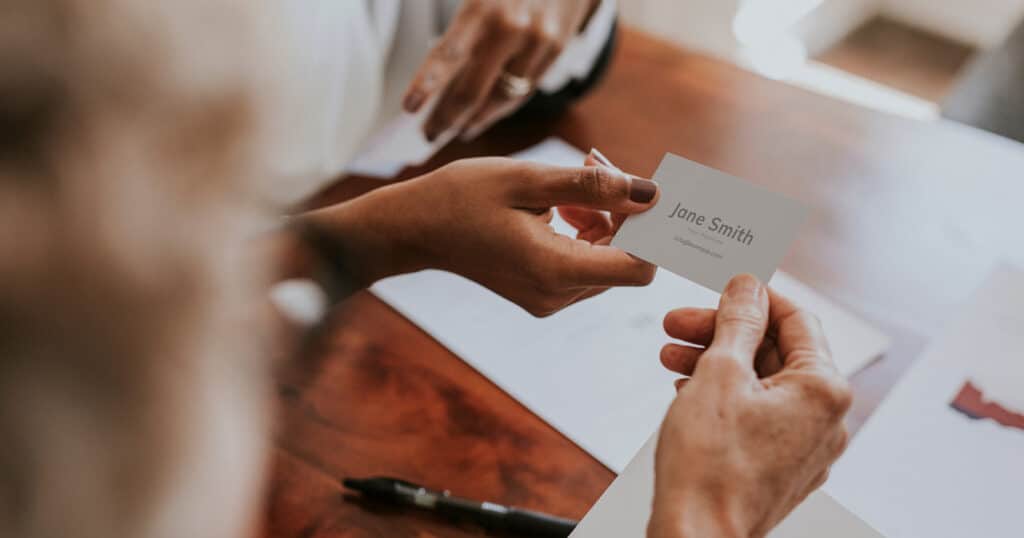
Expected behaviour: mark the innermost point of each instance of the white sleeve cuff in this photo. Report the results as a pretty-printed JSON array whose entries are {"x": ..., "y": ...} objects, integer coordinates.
[{"x": 580, "y": 55}]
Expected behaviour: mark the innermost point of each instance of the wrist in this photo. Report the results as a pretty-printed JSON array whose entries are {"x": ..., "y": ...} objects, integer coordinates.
[
  {"x": 693, "y": 519},
  {"x": 367, "y": 233}
]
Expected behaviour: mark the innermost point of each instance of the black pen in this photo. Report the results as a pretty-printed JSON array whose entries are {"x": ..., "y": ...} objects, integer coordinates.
[{"x": 487, "y": 514}]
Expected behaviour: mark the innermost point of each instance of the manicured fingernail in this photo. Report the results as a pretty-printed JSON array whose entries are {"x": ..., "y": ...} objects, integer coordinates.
[
  {"x": 414, "y": 100},
  {"x": 642, "y": 191},
  {"x": 744, "y": 287},
  {"x": 599, "y": 157}
]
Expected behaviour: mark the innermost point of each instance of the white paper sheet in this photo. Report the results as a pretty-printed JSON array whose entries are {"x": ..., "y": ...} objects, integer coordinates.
[
  {"x": 399, "y": 143},
  {"x": 921, "y": 468},
  {"x": 591, "y": 370},
  {"x": 625, "y": 507}
]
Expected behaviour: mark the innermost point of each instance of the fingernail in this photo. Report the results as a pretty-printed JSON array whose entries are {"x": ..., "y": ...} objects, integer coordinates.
[
  {"x": 642, "y": 191},
  {"x": 599, "y": 157},
  {"x": 413, "y": 100},
  {"x": 744, "y": 287}
]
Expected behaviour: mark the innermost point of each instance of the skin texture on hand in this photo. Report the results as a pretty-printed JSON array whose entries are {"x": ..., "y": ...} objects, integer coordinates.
[
  {"x": 488, "y": 220},
  {"x": 755, "y": 429},
  {"x": 487, "y": 38}
]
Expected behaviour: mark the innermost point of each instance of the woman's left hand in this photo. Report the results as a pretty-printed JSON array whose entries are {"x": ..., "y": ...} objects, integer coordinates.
[{"x": 490, "y": 60}]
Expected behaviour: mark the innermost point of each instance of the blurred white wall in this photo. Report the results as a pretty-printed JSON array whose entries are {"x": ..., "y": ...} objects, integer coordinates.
[
  {"x": 777, "y": 38},
  {"x": 704, "y": 25},
  {"x": 707, "y": 24},
  {"x": 832, "y": 20},
  {"x": 982, "y": 23}
]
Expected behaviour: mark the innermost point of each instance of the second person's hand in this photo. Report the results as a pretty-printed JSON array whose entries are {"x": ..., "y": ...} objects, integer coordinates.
[
  {"x": 488, "y": 220},
  {"x": 490, "y": 59},
  {"x": 755, "y": 429}
]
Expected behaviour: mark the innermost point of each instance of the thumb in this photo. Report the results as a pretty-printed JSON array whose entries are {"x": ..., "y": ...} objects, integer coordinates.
[
  {"x": 594, "y": 187},
  {"x": 741, "y": 321}
]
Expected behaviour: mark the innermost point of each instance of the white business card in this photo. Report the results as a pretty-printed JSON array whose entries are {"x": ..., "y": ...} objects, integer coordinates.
[{"x": 709, "y": 226}]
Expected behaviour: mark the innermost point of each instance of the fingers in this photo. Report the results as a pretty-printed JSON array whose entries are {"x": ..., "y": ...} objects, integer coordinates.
[
  {"x": 594, "y": 187},
  {"x": 806, "y": 360},
  {"x": 534, "y": 50},
  {"x": 471, "y": 87},
  {"x": 681, "y": 359},
  {"x": 501, "y": 34},
  {"x": 447, "y": 58},
  {"x": 800, "y": 338},
  {"x": 596, "y": 158},
  {"x": 694, "y": 325},
  {"x": 741, "y": 321},
  {"x": 591, "y": 225},
  {"x": 578, "y": 263}
]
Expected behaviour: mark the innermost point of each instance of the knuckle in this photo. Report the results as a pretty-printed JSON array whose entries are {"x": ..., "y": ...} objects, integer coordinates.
[
  {"x": 744, "y": 316},
  {"x": 594, "y": 183},
  {"x": 822, "y": 479},
  {"x": 513, "y": 24},
  {"x": 500, "y": 20},
  {"x": 833, "y": 393},
  {"x": 534, "y": 35},
  {"x": 807, "y": 319},
  {"x": 548, "y": 34},
  {"x": 842, "y": 440},
  {"x": 721, "y": 365},
  {"x": 479, "y": 8}
]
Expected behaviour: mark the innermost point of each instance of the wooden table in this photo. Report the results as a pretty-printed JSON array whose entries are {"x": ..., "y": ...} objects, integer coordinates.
[{"x": 908, "y": 219}]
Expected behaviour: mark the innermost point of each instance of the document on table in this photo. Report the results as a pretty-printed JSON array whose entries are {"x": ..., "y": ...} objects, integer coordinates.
[
  {"x": 943, "y": 456},
  {"x": 605, "y": 348},
  {"x": 625, "y": 507}
]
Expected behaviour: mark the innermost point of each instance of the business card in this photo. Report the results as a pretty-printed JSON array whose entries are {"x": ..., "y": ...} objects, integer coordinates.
[{"x": 709, "y": 226}]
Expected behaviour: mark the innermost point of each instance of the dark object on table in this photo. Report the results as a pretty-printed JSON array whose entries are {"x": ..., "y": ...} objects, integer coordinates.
[{"x": 490, "y": 515}]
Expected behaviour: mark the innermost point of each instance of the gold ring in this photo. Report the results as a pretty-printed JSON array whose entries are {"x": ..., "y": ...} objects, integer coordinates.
[{"x": 514, "y": 87}]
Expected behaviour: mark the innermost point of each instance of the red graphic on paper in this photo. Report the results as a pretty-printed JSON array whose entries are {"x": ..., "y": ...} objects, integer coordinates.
[{"x": 971, "y": 402}]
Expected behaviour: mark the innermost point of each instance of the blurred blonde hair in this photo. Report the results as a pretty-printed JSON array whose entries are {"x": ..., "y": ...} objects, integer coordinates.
[{"x": 132, "y": 399}]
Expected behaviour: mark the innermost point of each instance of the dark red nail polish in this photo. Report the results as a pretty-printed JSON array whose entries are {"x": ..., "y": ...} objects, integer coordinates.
[{"x": 642, "y": 191}]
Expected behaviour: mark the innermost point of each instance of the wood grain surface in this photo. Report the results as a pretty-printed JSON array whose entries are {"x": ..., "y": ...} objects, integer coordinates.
[{"x": 908, "y": 218}]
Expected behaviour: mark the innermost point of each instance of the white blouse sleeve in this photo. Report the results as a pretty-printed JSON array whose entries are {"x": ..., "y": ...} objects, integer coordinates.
[
  {"x": 331, "y": 65},
  {"x": 579, "y": 56}
]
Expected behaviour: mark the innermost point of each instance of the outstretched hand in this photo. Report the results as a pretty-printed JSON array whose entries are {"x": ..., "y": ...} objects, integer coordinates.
[
  {"x": 759, "y": 423},
  {"x": 490, "y": 60},
  {"x": 488, "y": 220}
]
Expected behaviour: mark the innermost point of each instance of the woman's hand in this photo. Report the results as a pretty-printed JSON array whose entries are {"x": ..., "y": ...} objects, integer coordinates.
[
  {"x": 755, "y": 429},
  {"x": 490, "y": 59},
  {"x": 488, "y": 220}
]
